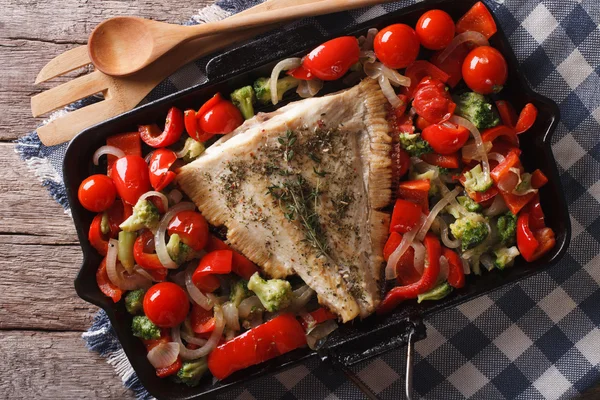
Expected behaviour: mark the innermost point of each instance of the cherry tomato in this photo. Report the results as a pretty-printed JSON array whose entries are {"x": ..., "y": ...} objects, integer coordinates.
[
  {"x": 166, "y": 304},
  {"x": 397, "y": 46},
  {"x": 332, "y": 59},
  {"x": 97, "y": 193},
  {"x": 191, "y": 227},
  {"x": 131, "y": 178},
  {"x": 218, "y": 116},
  {"x": 154, "y": 137},
  {"x": 301, "y": 73},
  {"x": 432, "y": 101},
  {"x": 526, "y": 118},
  {"x": 435, "y": 29},
  {"x": 445, "y": 139},
  {"x": 160, "y": 162},
  {"x": 484, "y": 70}
]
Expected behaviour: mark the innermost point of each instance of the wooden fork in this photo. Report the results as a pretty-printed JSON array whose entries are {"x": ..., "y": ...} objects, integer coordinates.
[{"x": 123, "y": 93}]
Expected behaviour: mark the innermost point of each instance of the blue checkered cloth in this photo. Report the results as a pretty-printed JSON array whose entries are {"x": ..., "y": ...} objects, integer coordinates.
[{"x": 537, "y": 339}]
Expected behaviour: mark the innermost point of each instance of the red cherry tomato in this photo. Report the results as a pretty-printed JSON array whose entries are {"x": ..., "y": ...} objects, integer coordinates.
[
  {"x": 97, "y": 193},
  {"x": 160, "y": 162},
  {"x": 432, "y": 101},
  {"x": 218, "y": 116},
  {"x": 445, "y": 139},
  {"x": 301, "y": 73},
  {"x": 435, "y": 29},
  {"x": 332, "y": 59},
  {"x": 166, "y": 304},
  {"x": 484, "y": 70},
  {"x": 397, "y": 46},
  {"x": 131, "y": 178},
  {"x": 154, "y": 137},
  {"x": 526, "y": 118},
  {"x": 191, "y": 227}
]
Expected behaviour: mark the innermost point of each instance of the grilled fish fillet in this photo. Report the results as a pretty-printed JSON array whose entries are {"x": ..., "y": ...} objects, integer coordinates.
[{"x": 300, "y": 190}]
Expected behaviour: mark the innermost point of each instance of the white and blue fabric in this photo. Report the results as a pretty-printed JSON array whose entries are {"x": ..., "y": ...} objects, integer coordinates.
[{"x": 537, "y": 339}]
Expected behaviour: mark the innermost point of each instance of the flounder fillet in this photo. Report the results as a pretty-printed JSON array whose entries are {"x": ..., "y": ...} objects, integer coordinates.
[{"x": 300, "y": 190}]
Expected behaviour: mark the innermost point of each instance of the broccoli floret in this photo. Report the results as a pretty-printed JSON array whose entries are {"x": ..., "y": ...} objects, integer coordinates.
[
  {"x": 414, "y": 144},
  {"x": 134, "y": 301},
  {"x": 443, "y": 171},
  {"x": 239, "y": 291},
  {"x": 193, "y": 149},
  {"x": 179, "y": 251},
  {"x": 145, "y": 215},
  {"x": 507, "y": 228},
  {"x": 477, "y": 180},
  {"x": 244, "y": 99},
  {"x": 274, "y": 294},
  {"x": 470, "y": 229},
  {"x": 476, "y": 108},
  {"x": 263, "y": 90},
  {"x": 468, "y": 203},
  {"x": 191, "y": 372},
  {"x": 143, "y": 328},
  {"x": 505, "y": 256},
  {"x": 437, "y": 293}
]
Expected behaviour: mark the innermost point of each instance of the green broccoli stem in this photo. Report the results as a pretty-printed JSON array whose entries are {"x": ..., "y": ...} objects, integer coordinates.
[{"x": 125, "y": 249}]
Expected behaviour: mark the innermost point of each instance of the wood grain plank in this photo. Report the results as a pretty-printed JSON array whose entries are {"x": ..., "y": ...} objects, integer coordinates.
[
  {"x": 42, "y": 365},
  {"x": 32, "y": 32}
]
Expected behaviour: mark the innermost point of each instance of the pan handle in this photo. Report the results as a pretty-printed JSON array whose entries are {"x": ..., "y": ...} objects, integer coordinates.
[{"x": 263, "y": 51}]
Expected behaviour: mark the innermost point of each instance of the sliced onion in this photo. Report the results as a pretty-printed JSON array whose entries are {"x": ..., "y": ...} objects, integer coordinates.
[
  {"x": 163, "y": 354},
  {"x": 487, "y": 262},
  {"x": 141, "y": 271},
  {"x": 232, "y": 318},
  {"x": 419, "y": 258},
  {"x": 407, "y": 240},
  {"x": 508, "y": 182},
  {"x": 160, "y": 236},
  {"x": 470, "y": 151},
  {"x": 496, "y": 156},
  {"x": 310, "y": 88},
  {"x": 103, "y": 150},
  {"x": 321, "y": 331},
  {"x": 246, "y": 306},
  {"x": 443, "y": 202},
  {"x": 477, "y": 136},
  {"x": 210, "y": 344},
  {"x": 498, "y": 207},
  {"x": 117, "y": 274},
  {"x": 161, "y": 196},
  {"x": 192, "y": 339},
  {"x": 195, "y": 293},
  {"x": 444, "y": 267},
  {"x": 466, "y": 266},
  {"x": 186, "y": 148},
  {"x": 308, "y": 319},
  {"x": 175, "y": 196},
  {"x": 450, "y": 243},
  {"x": 283, "y": 65},
  {"x": 367, "y": 44},
  {"x": 388, "y": 91},
  {"x": 469, "y": 36},
  {"x": 302, "y": 296},
  {"x": 367, "y": 56},
  {"x": 526, "y": 177}
]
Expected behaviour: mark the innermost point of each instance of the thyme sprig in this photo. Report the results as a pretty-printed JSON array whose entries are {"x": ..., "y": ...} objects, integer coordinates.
[{"x": 288, "y": 142}]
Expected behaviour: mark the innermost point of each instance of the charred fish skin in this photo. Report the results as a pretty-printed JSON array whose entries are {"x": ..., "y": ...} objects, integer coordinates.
[{"x": 300, "y": 191}]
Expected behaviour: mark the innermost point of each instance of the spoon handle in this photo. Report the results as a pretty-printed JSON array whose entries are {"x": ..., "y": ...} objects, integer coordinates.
[{"x": 274, "y": 16}]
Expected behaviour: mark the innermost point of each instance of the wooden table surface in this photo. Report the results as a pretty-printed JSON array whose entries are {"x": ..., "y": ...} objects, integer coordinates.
[{"x": 41, "y": 317}]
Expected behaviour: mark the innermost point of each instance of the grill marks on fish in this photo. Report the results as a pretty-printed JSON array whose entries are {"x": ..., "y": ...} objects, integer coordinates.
[{"x": 299, "y": 191}]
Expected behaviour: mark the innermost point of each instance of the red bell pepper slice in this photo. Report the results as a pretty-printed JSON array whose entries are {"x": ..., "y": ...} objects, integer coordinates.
[
  {"x": 154, "y": 137},
  {"x": 145, "y": 260},
  {"x": 400, "y": 162},
  {"x": 172, "y": 369},
  {"x": 419, "y": 70},
  {"x": 478, "y": 19},
  {"x": 405, "y": 216},
  {"x": 479, "y": 197},
  {"x": 546, "y": 240},
  {"x": 502, "y": 132},
  {"x": 538, "y": 179},
  {"x": 319, "y": 316},
  {"x": 526, "y": 241},
  {"x": 301, "y": 73},
  {"x": 508, "y": 115},
  {"x": 526, "y": 118},
  {"x": 405, "y": 269},
  {"x": 240, "y": 264},
  {"x": 450, "y": 161},
  {"x": 203, "y": 321},
  {"x": 422, "y": 123},
  {"x": 427, "y": 281},
  {"x": 97, "y": 239},
  {"x": 129, "y": 143},
  {"x": 160, "y": 162},
  {"x": 514, "y": 202},
  {"x": 215, "y": 262},
  {"x": 510, "y": 161},
  {"x": 416, "y": 191},
  {"x": 536, "y": 214},
  {"x": 105, "y": 285},
  {"x": 391, "y": 244},
  {"x": 280, "y": 335},
  {"x": 456, "y": 274},
  {"x": 117, "y": 213}
]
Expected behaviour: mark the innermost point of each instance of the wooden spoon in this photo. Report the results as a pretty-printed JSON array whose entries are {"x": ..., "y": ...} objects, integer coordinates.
[{"x": 123, "y": 45}]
